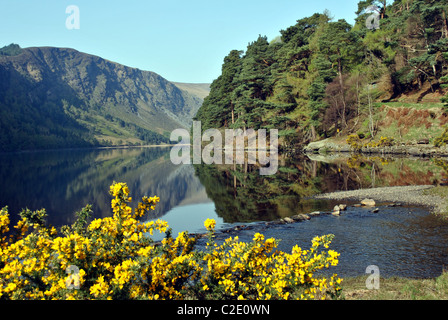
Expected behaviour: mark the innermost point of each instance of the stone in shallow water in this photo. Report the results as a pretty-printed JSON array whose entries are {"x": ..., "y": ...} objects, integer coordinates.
[
  {"x": 368, "y": 202},
  {"x": 336, "y": 209},
  {"x": 301, "y": 217},
  {"x": 288, "y": 220}
]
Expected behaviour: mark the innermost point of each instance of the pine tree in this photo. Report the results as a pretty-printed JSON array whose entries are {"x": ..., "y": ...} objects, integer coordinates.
[
  {"x": 445, "y": 98},
  {"x": 254, "y": 84},
  {"x": 218, "y": 108},
  {"x": 343, "y": 48}
]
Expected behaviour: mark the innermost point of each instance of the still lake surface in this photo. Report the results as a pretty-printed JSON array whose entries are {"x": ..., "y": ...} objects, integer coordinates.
[{"x": 402, "y": 241}]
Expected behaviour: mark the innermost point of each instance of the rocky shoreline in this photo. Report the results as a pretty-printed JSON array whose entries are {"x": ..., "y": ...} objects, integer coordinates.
[
  {"x": 413, "y": 149},
  {"x": 412, "y": 195},
  {"x": 372, "y": 198}
]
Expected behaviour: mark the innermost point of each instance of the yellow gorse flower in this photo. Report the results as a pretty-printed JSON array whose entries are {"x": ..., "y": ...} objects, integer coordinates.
[
  {"x": 116, "y": 258},
  {"x": 210, "y": 224}
]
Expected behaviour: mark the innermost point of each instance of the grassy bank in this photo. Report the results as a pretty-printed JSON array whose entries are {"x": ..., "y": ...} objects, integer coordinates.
[
  {"x": 406, "y": 123},
  {"x": 397, "y": 289}
]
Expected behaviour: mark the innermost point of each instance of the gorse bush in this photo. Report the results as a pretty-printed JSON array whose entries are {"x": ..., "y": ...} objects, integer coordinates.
[
  {"x": 442, "y": 140},
  {"x": 116, "y": 258},
  {"x": 356, "y": 143},
  {"x": 384, "y": 142}
]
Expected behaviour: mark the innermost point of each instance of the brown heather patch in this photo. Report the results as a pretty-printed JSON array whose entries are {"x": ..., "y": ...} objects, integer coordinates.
[
  {"x": 443, "y": 119},
  {"x": 404, "y": 112},
  {"x": 407, "y": 178}
]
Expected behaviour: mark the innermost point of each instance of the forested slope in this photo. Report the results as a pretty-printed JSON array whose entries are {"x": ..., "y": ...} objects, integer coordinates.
[{"x": 322, "y": 76}]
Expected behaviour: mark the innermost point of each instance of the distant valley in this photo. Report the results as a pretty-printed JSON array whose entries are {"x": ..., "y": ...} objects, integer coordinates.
[{"x": 54, "y": 98}]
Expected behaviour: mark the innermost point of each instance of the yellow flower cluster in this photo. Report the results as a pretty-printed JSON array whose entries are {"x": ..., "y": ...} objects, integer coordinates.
[
  {"x": 356, "y": 143},
  {"x": 116, "y": 258},
  {"x": 254, "y": 271},
  {"x": 4, "y": 225},
  {"x": 384, "y": 142},
  {"x": 210, "y": 224}
]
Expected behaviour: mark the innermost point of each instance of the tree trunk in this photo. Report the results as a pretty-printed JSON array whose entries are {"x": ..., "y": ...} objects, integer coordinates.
[
  {"x": 313, "y": 133},
  {"x": 234, "y": 180},
  {"x": 358, "y": 99},
  {"x": 445, "y": 25},
  {"x": 371, "y": 124},
  {"x": 314, "y": 170},
  {"x": 383, "y": 11},
  {"x": 341, "y": 83}
]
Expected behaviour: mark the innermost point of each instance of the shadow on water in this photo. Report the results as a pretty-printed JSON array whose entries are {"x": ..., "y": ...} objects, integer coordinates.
[{"x": 401, "y": 241}]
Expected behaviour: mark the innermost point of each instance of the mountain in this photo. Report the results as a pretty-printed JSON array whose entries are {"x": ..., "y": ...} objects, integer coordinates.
[
  {"x": 200, "y": 90},
  {"x": 60, "y": 97}
]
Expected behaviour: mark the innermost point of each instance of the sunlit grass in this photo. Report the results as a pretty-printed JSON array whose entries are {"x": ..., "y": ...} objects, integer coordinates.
[{"x": 397, "y": 289}]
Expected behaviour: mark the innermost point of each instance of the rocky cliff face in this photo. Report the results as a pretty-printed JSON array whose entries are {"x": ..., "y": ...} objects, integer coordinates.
[{"x": 76, "y": 97}]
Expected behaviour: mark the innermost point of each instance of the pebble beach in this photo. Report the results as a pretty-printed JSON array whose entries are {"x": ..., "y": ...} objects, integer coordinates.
[{"x": 413, "y": 195}]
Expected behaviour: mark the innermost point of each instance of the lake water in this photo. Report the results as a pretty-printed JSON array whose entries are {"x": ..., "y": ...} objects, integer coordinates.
[{"x": 401, "y": 241}]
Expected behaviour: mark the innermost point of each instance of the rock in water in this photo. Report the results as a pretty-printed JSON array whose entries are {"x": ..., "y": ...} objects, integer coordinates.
[
  {"x": 288, "y": 220},
  {"x": 342, "y": 207},
  {"x": 336, "y": 211},
  {"x": 368, "y": 202},
  {"x": 301, "y": 217}
]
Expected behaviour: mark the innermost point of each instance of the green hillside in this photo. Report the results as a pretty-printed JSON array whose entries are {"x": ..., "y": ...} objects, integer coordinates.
[
  {"x": 323, "y": 77},
  {"x": 60, "y": 98}
]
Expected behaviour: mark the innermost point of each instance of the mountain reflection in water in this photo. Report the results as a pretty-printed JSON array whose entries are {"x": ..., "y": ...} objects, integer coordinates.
[{"x": 63, "y": 182}]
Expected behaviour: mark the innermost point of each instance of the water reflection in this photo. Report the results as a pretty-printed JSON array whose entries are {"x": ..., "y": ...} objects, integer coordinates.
[
  {"x": 414, "y": 244},
  {"x": 401, "y": 241},
  {"x": 242, "y": 195},
  {"x": 63, "y": 182}
]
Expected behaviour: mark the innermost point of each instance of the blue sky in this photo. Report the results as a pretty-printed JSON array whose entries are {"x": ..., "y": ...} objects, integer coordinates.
[{"x": 184, "y": 41}]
